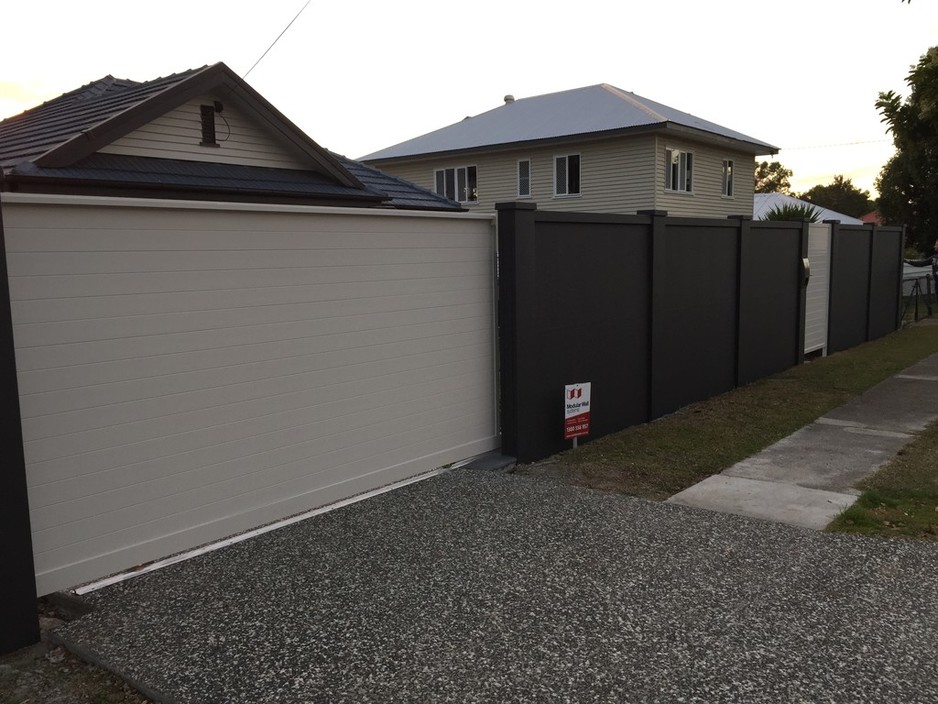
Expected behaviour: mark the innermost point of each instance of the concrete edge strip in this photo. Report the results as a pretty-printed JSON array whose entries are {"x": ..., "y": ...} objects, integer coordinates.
[
  {"x": 824, "y": 420},
  {"x": 878, "y": 433},
  {"x": 211, "y": 547},
  {"x": 917, "y": 377}
]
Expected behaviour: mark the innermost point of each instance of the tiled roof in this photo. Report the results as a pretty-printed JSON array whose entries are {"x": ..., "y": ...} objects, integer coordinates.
[
  {"x": 404, "y": 194},
  {"x": 582, "y": 111},
  {"x": 103, "y": 108},
  {"x": 34, "y": 132},
  {"x": 134, "y": 171}
]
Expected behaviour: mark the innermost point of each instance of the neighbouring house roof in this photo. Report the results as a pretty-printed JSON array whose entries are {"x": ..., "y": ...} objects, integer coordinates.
[
  {"x": 55, "y": 146},
  {"x": 872, "y": 217},
  {"x": 598, "y": 110},
  {"x": 763, "y": 203}
]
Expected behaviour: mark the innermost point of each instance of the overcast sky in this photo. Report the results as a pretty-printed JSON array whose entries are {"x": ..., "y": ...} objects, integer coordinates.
[{"x": 360, "y": 76}]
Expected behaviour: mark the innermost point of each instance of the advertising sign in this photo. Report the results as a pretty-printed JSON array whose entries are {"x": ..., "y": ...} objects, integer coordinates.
[{"x": 576, "y": 416}]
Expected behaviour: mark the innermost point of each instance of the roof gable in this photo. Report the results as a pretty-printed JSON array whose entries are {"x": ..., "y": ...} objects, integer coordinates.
[
  {"x": 76, "y": 125},
  {"x": 177, "y": 134},
  {"x": 124, "y": 138},
  {"x": 593, "y": 110}
]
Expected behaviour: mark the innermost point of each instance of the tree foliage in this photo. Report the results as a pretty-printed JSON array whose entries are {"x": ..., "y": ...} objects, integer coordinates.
[
  {"x": 840, "y": 195},
  {"x": 772, "y": 178},
  {"x": 791, "y": 211},
  {"x": 908, "y": 183}
]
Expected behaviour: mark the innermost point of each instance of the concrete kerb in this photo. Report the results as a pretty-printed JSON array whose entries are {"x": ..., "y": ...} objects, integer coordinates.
[{"x": 808, "y": 478}]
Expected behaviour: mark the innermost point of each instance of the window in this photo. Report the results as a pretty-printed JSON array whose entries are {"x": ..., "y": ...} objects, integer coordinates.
[
  {"x": 728, "y": 178},
  {"x": 567, "y": 175},
  {"x": 524, "y": 178},
  {"x": 680, "y": 171},
  {"x": 457, "y": 184}
]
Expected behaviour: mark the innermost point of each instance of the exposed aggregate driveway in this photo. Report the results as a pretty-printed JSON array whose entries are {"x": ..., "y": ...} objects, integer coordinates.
[{"x": 478, "y": 587}]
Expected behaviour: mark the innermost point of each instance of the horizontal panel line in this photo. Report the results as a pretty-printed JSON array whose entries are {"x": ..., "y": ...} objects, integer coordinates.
[
  {"x": 149, "y": 420},
  {"x": 254, "y": 436},
  {"x": 138, "y": 357},
  {"x": 262, "y": 247},
  {"x": 197, "y": 311},
  {"x": 477, "y": 415},
  {"x": 201, "y": 329},
  {"x": 481, "y": 346},
  {"x": 202, "y": 467},
  {"x": 232, "y": 497},
  {"x": 489, "y": 285},
  {"x": 257, "y": 325},
  {"x": 241, "y": 288},
  {"x": 227, "y": 270}
]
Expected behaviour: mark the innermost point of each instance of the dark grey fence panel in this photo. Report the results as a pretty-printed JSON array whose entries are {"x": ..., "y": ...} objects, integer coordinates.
[
  {"x": 658, "y": 312},
  {"x": 586, "y": 320},
  {"x": 850, "y": 282},
  {"x": 866, "y": 275},
  {"x": 885, "y": 281},
  {"x": 695, "y": 313},
  {"x": 771, "y": 302}
]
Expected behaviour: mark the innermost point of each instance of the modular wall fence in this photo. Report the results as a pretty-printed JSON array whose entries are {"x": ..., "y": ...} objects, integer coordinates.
[
  {"x": 173, "y": 373},
  {"x": 658, "y": 312},
  {"x": 866, "y": 283}
]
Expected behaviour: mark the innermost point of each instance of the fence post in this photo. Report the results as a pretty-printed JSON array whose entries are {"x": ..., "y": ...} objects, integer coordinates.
[
  {"x": 658, "y": 276},
  {"x": 832, "y": 279},
  {"x": 802, "y": 293},
  {"x": 874, "y": 231},
  {"x": 901, "y": 305},
  {"x": 516, "y": 316},
  {"x": 743, "y": 232},
  {"x": 19, "y": 622}
]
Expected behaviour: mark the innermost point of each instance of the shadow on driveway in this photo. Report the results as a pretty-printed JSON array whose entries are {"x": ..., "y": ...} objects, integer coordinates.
[{"x": 479, "y": 587}]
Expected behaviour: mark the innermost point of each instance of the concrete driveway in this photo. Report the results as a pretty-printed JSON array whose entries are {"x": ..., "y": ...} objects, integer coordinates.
[{"x": 481, "y": 587}]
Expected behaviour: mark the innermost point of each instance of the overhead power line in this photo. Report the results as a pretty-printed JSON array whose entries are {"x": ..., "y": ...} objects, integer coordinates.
[
  {"x": 842, "y": 144},
  {"x": 278, "y": 38}
]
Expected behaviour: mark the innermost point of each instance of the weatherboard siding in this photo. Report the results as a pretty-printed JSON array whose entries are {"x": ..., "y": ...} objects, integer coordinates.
[
  {"x": 177, "y": 134},
  {"x": 185, "y": 374},
  {"x": 621, "y": 175},
  {"x": 615, "y": 176},
  {"x": 707, "y": 198}
]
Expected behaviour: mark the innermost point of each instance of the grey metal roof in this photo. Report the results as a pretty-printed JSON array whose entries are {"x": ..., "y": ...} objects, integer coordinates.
[
  {"x": 581, "y": 111},
  {"x": 56, "y": 144}
]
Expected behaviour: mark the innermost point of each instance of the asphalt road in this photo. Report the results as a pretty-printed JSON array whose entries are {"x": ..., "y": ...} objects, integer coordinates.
[{"x": 484, "y": 587}]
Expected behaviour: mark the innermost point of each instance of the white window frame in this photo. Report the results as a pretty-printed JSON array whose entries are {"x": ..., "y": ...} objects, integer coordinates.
[
  {"x": 453, "y": 176},
  {"x": 521, "y": 191},
  {"x": 567, "y": 193},
  {"x": 729, "y": 187},
  {"x": 682, "y": 171}
]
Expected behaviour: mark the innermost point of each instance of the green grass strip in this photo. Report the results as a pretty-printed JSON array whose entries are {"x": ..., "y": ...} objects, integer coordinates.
[
  {"x": 656, "y": 460},
  {"x": 901, "y": 499}
]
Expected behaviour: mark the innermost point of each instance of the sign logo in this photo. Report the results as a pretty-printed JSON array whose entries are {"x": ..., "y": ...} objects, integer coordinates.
[{"x": 576, "y": 416}]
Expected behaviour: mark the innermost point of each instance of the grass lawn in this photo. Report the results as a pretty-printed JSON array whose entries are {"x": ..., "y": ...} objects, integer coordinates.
[
  {"x": 901, "y": 499},
  {"x": 661, "y": 458}
]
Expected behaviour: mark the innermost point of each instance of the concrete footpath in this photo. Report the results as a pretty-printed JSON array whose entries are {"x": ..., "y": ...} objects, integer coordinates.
[{"x": 808, "y": 478}]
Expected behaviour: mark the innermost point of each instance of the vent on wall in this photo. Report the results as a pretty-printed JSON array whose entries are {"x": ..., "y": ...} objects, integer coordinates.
[{"x": 208, "y": 126}]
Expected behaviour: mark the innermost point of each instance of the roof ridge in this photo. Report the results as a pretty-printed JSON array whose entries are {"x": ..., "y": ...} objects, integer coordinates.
[{"x": 633, "y": 100}]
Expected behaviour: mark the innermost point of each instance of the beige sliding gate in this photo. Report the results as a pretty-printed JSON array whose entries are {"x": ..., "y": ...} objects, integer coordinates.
[{"x": 190, "y": 370}]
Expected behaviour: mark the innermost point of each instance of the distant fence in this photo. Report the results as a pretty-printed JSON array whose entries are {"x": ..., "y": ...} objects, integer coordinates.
[
  {"x": 657, "y": 312},
  {"x": 866, "y": 283}
]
